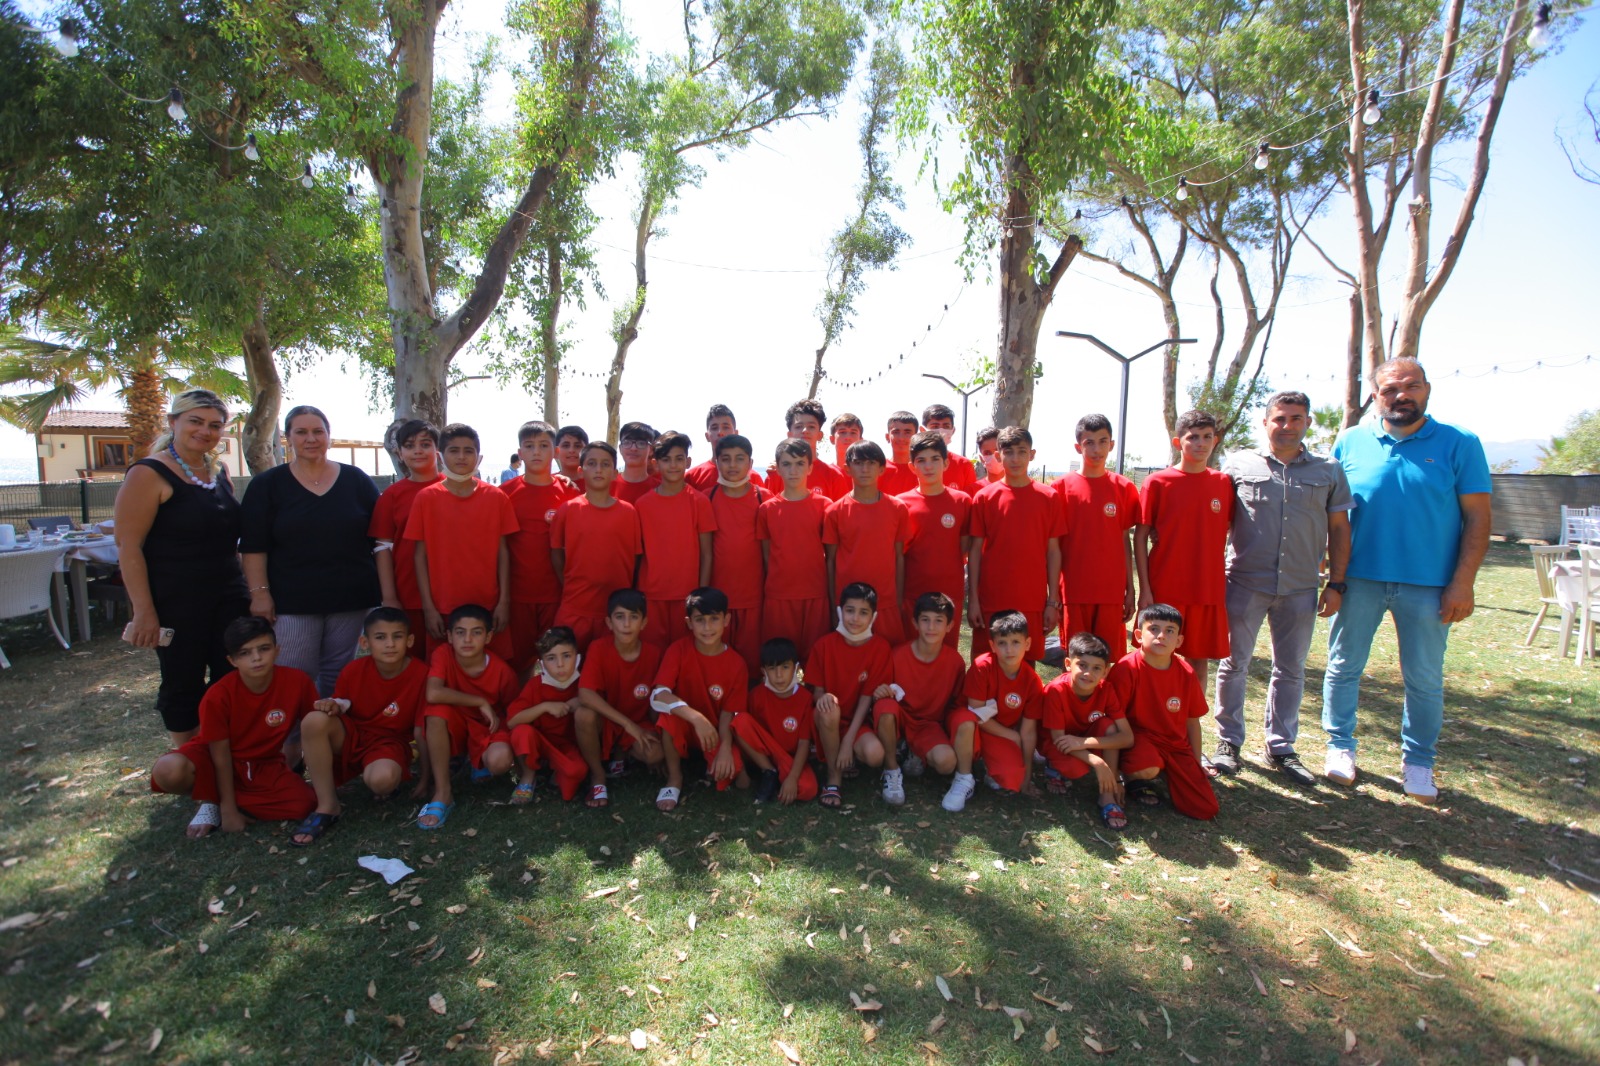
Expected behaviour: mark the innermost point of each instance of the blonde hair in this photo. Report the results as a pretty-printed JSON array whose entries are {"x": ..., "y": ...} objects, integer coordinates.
[{"x": 189, "y": 400}]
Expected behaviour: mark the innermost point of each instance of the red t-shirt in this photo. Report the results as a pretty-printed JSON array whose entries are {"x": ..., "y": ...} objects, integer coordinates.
[
  {"x": 867, "y": 535},
  {"x": 389, "y": 518},
  {"x": 1191, "y": 514},
  {"x": 702, "y": 477},
  {"x": 897, "y": 478},
  {"x": 462, "y": 535},
  {"x": 958, "y": 474},
  {"x": 933, "y": 689},
  {"x": 671, "y": 527},
  {"x": 824, "y": 478},
  {"x": 848, "y": 671},
  {"x": 602, "y": 546},
  {"x": 383, "y": 704},
  {"x": 539, "y": 689},
  {"x": 1017, "y": 697},
  {"x": 796, "y": 566},
  {"x": 934, "y": 559},
  {"x": 630, "y": 491},
  {"x": 1098, "y": 512},
  {"x": 735, "y": 551},
  {"x": 710, "y": 684},
  {"x": 496, "y": 683},
  {"x": 533, "y": 575},
  {"x": 788, "y": 718},
  {"x": 255, "y": 725},
  {"x": 1016, "y": 525},
  {"x": 1063, "y": 710},
  {"x": 623, "y": 684},
  {"x": 1158, "y": 703}
]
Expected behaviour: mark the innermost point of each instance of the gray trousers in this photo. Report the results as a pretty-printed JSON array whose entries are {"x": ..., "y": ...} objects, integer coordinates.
[
  {"x": 1291, "y": 621},
  {"x": 319, "y": 644}
]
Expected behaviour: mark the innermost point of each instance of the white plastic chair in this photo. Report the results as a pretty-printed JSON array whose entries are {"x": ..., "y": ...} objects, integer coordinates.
[
  {"x": 1545, "y": 556},
  {"x": 1588, "y": 605},
  {"x": 1580, "y": 525},
  {"x": 26, "y": 579}
]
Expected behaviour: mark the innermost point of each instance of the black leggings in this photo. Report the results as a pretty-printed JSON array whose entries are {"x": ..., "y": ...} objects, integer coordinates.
[{"x": 196, "y": 617}]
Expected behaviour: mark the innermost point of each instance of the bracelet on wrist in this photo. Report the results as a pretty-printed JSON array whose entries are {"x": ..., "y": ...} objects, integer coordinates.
[{"x": 262, "y": 588}]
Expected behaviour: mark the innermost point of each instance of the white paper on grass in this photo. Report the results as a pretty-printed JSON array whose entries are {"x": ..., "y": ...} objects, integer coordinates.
[{"x": 391, "y": 869}]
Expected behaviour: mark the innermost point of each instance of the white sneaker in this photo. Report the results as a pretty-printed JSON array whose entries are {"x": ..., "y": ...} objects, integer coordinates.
[
  {"x": 894, "y": 789},
  {"x": 1419, "y": 784},
  {"x": 989, "y": 780},
  {"x": 912, "y": 766},
  {"x": 1340, "y": 767},
  {"x": 961, "y": 789}
]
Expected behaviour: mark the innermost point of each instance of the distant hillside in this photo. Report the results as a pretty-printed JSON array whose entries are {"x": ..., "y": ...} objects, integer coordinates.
[{"x": 1523, "y": 454}]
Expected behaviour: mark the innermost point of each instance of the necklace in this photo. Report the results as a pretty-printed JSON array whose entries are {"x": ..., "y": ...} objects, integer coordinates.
[
  {"x": 316, "y": 482},
  {"x": 172, "y": 450}
]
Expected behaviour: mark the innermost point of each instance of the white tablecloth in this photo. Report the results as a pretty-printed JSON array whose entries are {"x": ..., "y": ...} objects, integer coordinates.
[{"x": 1568, "y": 574}]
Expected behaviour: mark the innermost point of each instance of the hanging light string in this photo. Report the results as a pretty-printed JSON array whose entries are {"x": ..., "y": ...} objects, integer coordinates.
[{"x": 900, "y": 358}]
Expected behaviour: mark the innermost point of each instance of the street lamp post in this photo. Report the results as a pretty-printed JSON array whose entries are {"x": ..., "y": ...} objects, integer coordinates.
[
  {"x": 1127, "y": 363},
  {"x": 965, "y": 395}
]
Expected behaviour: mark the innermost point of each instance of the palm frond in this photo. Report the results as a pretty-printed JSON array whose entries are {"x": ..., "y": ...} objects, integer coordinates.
[{"x": 29, "y": 410}]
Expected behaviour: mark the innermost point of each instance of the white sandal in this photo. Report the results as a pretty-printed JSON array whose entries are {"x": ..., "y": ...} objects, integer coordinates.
[
  {"x": 206, "y": 816},
  {"x": 668, "y": 795}
]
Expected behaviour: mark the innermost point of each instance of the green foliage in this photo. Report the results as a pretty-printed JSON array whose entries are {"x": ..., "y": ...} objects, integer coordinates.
[
  {"x": 1326, "y": 422},
  {"x": 1576, "y": 451},
  {"x": 1233, "y": 405}
]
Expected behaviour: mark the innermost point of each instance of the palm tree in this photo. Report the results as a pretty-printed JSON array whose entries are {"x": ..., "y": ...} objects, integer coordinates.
[{"x": 84, "y": 356}]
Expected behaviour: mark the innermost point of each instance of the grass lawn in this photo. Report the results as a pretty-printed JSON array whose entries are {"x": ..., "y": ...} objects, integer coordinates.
[{"x": 1319, "y": 926}]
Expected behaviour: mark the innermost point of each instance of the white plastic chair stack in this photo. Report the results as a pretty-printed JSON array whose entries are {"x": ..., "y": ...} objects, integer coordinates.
[
  {"x": 25, "y": 582},
  {"x": 1580, "y": 525}
]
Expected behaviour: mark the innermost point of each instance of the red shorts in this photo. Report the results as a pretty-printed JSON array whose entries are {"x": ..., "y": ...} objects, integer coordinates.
[
  {"x": 952, "y": 636},
  {"x": 469, "y": 733},
  {"x": 664, "y": 622},
  {"x": 681, "y": 736},
  {"x": 756, "y": 737},
  {"x": 363, "y": 747},
  {"x": 1191, "y": 790},
  {"x": 1205, "y": 631},
  {"x": 744, "y": 636},
  {"x": 1070, "y": 766},
  {"x": 614, "y": 738},
  {"x": 922, "y": 735},
  {"x": 529, "y": 621},
  {"x": 561, "y": 756},
  {"x": 1104, "y": 620},
  {"x": 803, "y": 621},
  {"x": 1002, "y": 757},
  {"x": 980, "y": 637},
  {"x": 265, "y": 789}
]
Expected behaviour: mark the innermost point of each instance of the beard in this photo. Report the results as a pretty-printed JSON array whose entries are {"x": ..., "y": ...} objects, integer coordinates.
[{"x": 1403, "y": 414}]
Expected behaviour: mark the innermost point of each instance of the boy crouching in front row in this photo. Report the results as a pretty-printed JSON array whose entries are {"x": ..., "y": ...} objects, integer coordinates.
[
  {"x": 775, "y": 734},
  {"x": 235, "y": 767},
  {"x": 468, "y": 691},
  {"x": 1086, "y": 729},
  {"x": 700, "y": 687}
]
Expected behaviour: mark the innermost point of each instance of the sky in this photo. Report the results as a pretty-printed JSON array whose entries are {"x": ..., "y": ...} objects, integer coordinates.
[{"x": 736, "y": 278}]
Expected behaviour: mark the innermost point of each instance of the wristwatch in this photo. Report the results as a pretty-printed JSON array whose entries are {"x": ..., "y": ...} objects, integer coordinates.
[{"x": 1337, "y": 586}]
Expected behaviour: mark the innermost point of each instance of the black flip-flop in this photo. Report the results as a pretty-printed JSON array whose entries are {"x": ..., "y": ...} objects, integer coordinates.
[
  {"x": 1144, "y": 793},
  {"x": 831, "y": 797},
  {"x": 316, "y": 823}
]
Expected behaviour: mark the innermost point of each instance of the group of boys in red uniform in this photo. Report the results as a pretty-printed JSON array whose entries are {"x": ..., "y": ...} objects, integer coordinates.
[{"x": 577, "y": 617}]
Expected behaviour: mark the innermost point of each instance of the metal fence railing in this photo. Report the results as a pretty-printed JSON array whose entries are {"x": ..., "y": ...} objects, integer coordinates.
[{"x": 84, "y": 500}]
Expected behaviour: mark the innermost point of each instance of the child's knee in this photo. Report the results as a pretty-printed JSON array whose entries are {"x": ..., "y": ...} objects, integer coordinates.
[
  {"x": 1148, "y": 774},
  {"x": 585, "y": 718},
  {"x": 314, "y": 724},
  {"x": 942, "y": 759},
  {"x": 382, "y": 777},
  {"x": 497, "y": 760},
  {"x": 173, "y": 773}
]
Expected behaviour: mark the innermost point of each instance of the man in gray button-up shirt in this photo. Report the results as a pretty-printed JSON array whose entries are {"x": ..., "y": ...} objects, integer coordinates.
[{"x": 1291, "y": 507}]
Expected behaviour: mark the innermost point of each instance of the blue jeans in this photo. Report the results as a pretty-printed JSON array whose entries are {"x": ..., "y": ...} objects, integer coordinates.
[
  {"x": 1423, "y": 639},
  {"x": 1291, "y": 620}
]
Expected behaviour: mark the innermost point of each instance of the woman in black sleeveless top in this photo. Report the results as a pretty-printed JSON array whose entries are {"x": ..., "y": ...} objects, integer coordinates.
[{"x": 177, "y": 528}]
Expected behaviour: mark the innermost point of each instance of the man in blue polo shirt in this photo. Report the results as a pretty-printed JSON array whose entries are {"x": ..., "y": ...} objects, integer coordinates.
[{"x": 1419, "y": 532}]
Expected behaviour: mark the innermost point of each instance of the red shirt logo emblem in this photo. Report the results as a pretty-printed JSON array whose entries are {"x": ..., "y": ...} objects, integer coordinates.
[
  {"x": 550, "y": 515},
  {"x": 790, "y": 724},
  {"x": 1013, "y": 700},
  {"x": 1111, "y": 510},
  {"x": 948, "y": 521},
  {"x": 1096, "y": 716},
  {"x": 640, "y": 691},
  {"x": 1216, "y": 505},
  {"x": 863, "y": 676},
  {"x": 1174, "y": 704},
  {"x": 275, "y": 717},
  {"x": 716, "y": 692},
  {"x": 391, "y": 711}
]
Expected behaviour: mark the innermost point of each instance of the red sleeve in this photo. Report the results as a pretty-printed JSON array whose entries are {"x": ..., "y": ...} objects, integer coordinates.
[
  {"x": 593, "y": 674},
  {"x": 1055, "y": 516},
  {"x": 1033, "y": 698},
  {"x": 1131, "y": 501},
  {"x": 1053, "y": 714},
  {"x": 1227, "y": 512},
  {"x": 1195, "y": 698},
  {"x": 508, "y": 514},
  {"x": 214, "y": 707},
  {"x": 880, "y": 665},
  {"x": 738, "y": 700},
  {"x": 382, "y": 526},
  {"x": 763, "y": 527},
  {"x": 705, "y": 519},
  {"x": 830, "y": 524},
  {"x": 558, "y": 525},
  {"x": 975, "y": 519},
  {"x": 902, "y": 525},
  {"x": 345, "y": 687},
  {"x": 528, "y": 697},
  {"x": 439, "y": 662},
  {"x": 417, "y": 525},
  {"x": 979, "y": 683},
  {"x": 1118, "y": 687},
  {"x": 671, "y": 664},
  {"x": 1150, "y": 500},
  {"x": 305, "y": 695},
  {"x": 505, "y": 683}
]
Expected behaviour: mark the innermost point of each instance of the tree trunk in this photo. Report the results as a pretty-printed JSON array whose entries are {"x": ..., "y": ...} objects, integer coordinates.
[
  {"x": 262, "y": 450},
  {"x": 1368, "y": 247},
  {"x": 1021, "y": 310},
  {"x": 550, "y": 375},
  {"x": 627, "y": 327},
  {"x": 146, "y": 400},
  {"x": 1354, "y": 400}
]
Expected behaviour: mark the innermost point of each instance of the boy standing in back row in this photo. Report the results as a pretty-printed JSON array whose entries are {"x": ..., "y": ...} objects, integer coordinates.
[
  {"x": 719, "y": 423},
  {"x": 595, "y": 546},
  {"x": 794, "y": 603},
  {"x": 535, "y": 585},
  {"x": 1016, "y": 523},
  {"x": 678, "y": 528},
  {"x": 936, "y": 551},
  {"x": 898, "y": 476},
  {"x": 959, "y": 474},
  {"x": 397, "y": 557},
  {"x": 1099, "y": 507},
  {"x": 864, "y": 536},
  {"x": 735, "y": 548}
]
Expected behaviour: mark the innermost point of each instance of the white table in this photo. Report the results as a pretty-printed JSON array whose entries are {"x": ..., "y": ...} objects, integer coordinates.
[
  {"x": 76, "y": 562},
  {"x": 58, "y": 589}
]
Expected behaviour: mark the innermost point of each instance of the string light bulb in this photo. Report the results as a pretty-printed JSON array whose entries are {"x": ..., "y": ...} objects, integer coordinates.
[
  {"x": 175, "y": 105},
  {"x": 1373, "y": 113},
  {"x": 251, "y": 152},
  {"x": 350, "y": 198},
  {"x": 1183, "y": 188},
  {"x": 1539, "y": 36},
  {"x": 308, "y": 179},
  {"x": 1262, "y": 159},
  {"x": 66, "y": 41}
]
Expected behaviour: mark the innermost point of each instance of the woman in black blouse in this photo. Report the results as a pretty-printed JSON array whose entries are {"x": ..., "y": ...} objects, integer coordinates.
[
  {"x": 307, "y": 556},
  {"x": 177, "y": 529}
]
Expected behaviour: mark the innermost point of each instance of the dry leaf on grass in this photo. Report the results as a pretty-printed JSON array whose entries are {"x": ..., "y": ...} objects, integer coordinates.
[
  {"x": 216, "y": 906},
  {"x": 350, "y": 1016},
  {"x": 1188, "y": 963},
  {"x": 944, "y": 988},
  {"x": 937, "y": 1023},
  {"x": 372, "y": 990},
  {"x": 436, "y": 1003},
  {"x": 155, "y": 1039},
  {"x": 1051, "y": 1040},
  {"x": 638, "y": 1040},
  {"x": 1018, "y": 1031},
  {"x": 456, "y": 908},
  {"x": 1058, "y": 1005},
  {"x": 788, "y": 1009},
  {"x": 601, "y": 893},
  {"x": 1349, "y": 1041},
  {"x": 865, "y": 1004},
  {"x": 788, "y": 1051},
  {"x": 484, "y": 982},
  {"x": 869, "y": 1032},
  {"x": 693, "y": 921}
]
